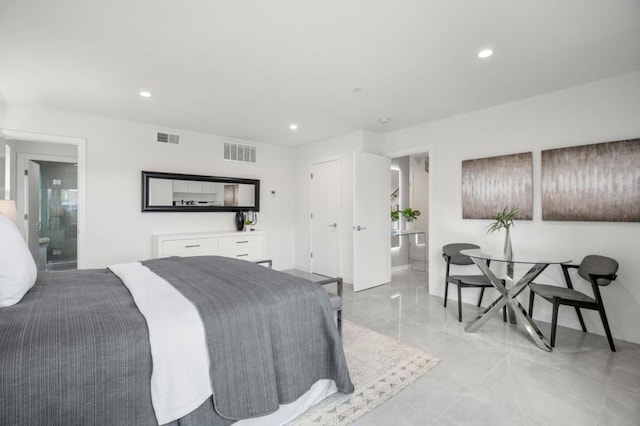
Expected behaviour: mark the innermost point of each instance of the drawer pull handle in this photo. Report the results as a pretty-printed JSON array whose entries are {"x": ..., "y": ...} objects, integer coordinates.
[
  {"x": 241, "y": 242},
  {"x": 241, "y": 255},
  {"x": 192, "y": 246}
]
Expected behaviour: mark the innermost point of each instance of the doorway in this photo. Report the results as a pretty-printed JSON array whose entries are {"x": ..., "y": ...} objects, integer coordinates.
[
  {"x": 325, "y": 212},
  {"x": 62, "y": 213},
  {"x": 409, "y": 188},
  {"x": 50, "y": 209},
  {"x": 58, "y": 215}
]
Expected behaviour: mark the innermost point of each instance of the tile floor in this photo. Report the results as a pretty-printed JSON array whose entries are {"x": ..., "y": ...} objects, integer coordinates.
[{"x": 496, "y": 376}]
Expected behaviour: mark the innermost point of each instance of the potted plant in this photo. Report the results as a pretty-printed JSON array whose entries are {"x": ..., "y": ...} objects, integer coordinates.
[
  {"x": 504, "y": 219},
  {"x": 395, "y": 217},
  {"x": 410, "y": 215},
  {"x": 251, "y": 219}
]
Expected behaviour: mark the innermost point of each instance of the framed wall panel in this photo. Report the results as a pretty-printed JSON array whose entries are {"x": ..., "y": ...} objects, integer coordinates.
[
  {"x": 491, "y": 184},
  {"x": 599, "y": 182}
]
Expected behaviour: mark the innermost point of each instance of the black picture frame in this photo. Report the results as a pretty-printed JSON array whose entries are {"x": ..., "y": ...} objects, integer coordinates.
[{"x": 147, "y": 207}]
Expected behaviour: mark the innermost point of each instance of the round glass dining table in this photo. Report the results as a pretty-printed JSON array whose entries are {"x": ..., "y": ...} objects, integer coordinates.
[{"x": 510, "y": 289}]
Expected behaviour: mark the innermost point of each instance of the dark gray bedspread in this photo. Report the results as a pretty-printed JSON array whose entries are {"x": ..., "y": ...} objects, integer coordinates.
[{"x": 75, "y": 350}]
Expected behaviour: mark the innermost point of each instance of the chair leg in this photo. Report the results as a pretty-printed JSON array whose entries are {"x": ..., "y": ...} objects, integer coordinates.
[
  {"x": 446, "y": 292},
  {"x": 480, "y": 298},
  {"x": 459, "y": 303},
  {"x": 339, "y": 318},
  {"x": 605, "y": 323},
  {"x": 584, "y": 327},
  {"x": 531, "y": 297},
  {"x": 554, "y": 322}
]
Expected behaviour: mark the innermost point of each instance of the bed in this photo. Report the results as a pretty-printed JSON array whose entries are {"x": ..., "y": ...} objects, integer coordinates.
[{"x": 76, "y": 349}]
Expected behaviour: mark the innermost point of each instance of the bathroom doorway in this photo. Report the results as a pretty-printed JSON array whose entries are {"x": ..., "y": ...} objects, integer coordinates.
[
  {"x": 67, "y": 215},
  {"x": 50, "y": 209}
]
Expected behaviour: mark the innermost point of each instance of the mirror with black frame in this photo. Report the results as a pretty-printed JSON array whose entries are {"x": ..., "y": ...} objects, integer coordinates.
[{"x": 170, "y": 192}]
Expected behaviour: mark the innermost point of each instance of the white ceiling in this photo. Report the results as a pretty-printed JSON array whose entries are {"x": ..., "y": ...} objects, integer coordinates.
[{"x": 248, "y": 68}]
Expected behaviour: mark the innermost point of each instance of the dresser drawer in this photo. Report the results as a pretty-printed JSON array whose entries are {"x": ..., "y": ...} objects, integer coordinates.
[
  {"x": 190, "y": 247},
  {"x": 241, "y": 241},
  {"x": 246, "y": 253}
]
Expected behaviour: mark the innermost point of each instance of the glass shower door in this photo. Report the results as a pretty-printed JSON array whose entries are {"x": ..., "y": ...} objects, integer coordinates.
[{"x": 59, "y": 214}]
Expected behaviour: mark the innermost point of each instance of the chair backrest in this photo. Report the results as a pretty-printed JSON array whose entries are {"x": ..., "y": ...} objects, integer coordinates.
[
  {"x": 453, "y": 251},
  {"x": 598, "y": 265}
]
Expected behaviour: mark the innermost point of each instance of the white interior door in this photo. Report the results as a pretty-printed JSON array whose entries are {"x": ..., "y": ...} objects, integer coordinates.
[
  {"x": 371, "y": 234},
  {"x": 32, "y": 217},
  {"x": 325, "y": 209}
]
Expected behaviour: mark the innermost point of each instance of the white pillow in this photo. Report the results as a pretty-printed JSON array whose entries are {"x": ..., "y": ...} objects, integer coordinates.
[{"x": 17, "y": 268}]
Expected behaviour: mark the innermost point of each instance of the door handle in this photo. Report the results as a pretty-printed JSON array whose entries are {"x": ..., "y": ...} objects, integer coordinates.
[
  {"x": 334, "y": 225},
  {"x": 359, "y": 228}
]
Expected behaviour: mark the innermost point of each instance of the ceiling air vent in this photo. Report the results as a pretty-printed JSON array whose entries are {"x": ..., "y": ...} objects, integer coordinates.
[
  {"x": 242, "y": 152},
  {"x": 168, "y": 138}
]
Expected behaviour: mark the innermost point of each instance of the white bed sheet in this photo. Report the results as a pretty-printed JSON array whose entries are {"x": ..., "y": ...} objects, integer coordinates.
[{"x": 287, "y": 412}]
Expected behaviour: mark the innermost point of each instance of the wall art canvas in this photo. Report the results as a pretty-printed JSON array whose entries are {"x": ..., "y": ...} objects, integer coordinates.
[
  {"x": 491, "y": 184},
  {"x": 599, "y": 182}
]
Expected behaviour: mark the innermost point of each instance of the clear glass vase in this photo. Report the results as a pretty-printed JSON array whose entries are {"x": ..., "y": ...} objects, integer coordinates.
[{"x": 508, "y": 249}]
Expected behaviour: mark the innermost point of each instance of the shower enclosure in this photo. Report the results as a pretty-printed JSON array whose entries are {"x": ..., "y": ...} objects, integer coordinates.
[{"x": 58, "y": 199}]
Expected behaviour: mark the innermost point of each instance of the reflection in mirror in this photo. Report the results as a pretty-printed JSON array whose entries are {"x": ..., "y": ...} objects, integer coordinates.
[{"x": 173, "y": 192}]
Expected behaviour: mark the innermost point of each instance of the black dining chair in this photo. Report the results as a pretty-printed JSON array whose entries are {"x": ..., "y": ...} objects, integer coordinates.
[
  {"x": 451, "y": 254},
  {"x": 598, "y": 271}
]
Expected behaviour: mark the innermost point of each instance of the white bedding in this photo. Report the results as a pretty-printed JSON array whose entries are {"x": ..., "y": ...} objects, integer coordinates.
[{"x": 180, "y": 380}]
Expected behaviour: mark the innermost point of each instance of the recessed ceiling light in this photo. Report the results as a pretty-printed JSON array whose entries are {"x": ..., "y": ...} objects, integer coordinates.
[
  {"x": 384, "y": 120},
  {"x": 485, "y": 53},
  {"x": 293, "y": 126},
  {"x": 145, "y": 94}
]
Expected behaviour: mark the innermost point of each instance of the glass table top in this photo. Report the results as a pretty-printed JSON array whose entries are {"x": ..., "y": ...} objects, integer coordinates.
[
  {"x": 517, "y": 257},
  {"x": 399, "y": 233}
]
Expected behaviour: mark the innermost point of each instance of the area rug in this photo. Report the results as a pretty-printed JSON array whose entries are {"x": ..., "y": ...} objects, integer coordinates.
[{"x": 380, "y": 367}]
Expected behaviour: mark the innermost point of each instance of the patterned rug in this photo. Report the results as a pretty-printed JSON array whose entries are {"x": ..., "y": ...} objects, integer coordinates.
[{"x": 380, "y": 367}]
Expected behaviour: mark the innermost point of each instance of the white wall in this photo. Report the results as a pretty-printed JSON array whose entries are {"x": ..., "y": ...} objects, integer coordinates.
[
  {"x": 603, "y": 111},
  {"x": 341, "y": 147},
  {"x": 2, "y": 167},
  {"x": 117, "y": 151}
]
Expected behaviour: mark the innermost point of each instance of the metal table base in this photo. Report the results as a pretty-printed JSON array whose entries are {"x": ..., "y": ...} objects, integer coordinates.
[{"x": 508, "y": 293}]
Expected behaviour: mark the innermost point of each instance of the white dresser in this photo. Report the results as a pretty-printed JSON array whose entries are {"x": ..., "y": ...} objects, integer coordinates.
[{"x": 242, "y": 245}]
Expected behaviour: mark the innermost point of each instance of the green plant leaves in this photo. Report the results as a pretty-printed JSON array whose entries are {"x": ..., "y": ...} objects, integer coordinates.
[
  {"x": 410, "y": 214},
  {"x": 503, "y": 219}
]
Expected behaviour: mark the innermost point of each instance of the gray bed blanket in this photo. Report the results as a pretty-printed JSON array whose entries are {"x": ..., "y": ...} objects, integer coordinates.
[
  {"x": 75, "y": 350},
  {"x": 270, "y": 334}
]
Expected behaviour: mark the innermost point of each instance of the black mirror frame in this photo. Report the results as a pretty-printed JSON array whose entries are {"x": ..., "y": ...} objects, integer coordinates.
[{"x": 147, "y": 175}]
